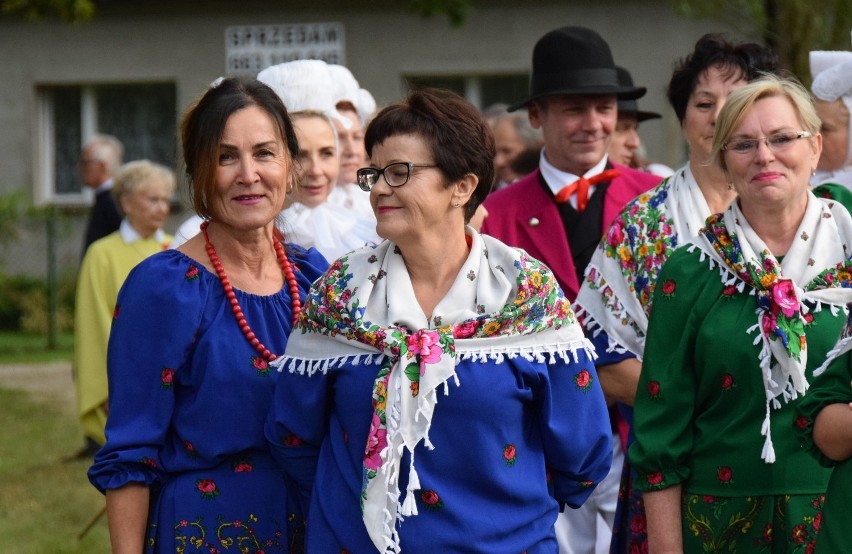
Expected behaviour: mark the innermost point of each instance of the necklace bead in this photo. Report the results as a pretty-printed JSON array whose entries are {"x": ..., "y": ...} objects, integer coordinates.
[{"x": 289, "y": 276}]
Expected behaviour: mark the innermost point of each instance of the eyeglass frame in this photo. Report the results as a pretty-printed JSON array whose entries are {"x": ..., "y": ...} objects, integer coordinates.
[
  {"x": 381, "y": 173},
  {"x": 765, "y": 140}
]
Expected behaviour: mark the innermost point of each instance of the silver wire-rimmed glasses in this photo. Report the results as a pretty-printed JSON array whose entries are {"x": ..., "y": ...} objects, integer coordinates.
[
  {"x": 396, "y": 174},
  {"x": 777, "y": 142}
]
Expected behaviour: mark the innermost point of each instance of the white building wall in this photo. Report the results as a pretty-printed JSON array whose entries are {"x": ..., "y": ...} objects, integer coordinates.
[{"x": 184, "y": 42}]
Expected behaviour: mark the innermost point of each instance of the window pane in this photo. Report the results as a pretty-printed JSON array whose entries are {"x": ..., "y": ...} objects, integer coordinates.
[
  {"x": 493, "y": 89},
  {"x": 455, "y": 84},
  {"x": 506, "y": 89},
  {"x": 142, "y": 116},
  {"x": 67, "y": 133}
]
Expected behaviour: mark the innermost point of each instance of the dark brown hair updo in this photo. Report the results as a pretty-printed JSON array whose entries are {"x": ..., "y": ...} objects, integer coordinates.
[{"x": 204, "y": 122}]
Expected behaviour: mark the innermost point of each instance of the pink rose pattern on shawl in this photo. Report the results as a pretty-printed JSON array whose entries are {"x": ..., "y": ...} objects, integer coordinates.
[
  {"x": 782, "y": 317},
  {"x": 639, "y": 240},
  {"x": 329, "y": 309}
]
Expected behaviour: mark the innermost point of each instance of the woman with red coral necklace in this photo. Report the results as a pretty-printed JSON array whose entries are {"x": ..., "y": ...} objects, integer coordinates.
[{"x": 194, "y": 332}]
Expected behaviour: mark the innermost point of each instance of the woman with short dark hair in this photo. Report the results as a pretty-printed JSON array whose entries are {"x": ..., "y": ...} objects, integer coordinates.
[
  {"x": 617, "y": 292},
  {"x": 428, "y": 377}
]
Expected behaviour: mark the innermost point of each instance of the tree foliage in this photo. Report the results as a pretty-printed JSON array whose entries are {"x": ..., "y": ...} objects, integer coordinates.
[
  {"x": 791, "y": 27},
  {"x": 79, "y": 11},
  {"x": 71, "y": 11}
]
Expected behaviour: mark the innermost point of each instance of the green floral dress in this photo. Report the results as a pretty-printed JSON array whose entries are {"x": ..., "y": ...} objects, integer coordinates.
[
  {"x": 831, "y": 387},
  {"x": 699, "y": 409}
]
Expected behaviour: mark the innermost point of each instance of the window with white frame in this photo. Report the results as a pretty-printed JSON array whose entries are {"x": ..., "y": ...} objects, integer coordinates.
[
  {"x": 141, "y": 115},
  {"x": 480, "y": 90}
]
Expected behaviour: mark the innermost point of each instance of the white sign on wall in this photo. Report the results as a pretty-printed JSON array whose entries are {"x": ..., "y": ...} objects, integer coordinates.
[{"x": 250, "y": 48}]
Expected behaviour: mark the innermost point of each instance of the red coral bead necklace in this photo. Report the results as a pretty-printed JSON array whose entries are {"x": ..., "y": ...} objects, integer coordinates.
[{"x": 290, "y": 277}]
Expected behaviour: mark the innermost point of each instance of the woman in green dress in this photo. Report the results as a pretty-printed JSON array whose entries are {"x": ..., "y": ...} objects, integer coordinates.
[
  {"x": 742, "y": 316},
  {"x": 825, "y": 421}
]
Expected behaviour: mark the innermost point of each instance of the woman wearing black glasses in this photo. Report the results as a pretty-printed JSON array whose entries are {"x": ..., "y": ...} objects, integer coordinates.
[
  {"x": 742, "y": 316},
  {"x": 439, "y": 378}
]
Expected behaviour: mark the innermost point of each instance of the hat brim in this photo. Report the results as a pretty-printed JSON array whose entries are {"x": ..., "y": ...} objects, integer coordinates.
[
  {"x": 645, "y": 116},
  {"x": 639, "y": 115},
  {"x": 621, "y": 93}
]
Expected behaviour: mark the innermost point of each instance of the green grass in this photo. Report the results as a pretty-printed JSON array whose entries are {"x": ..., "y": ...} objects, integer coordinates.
[
  {"x": 16, "y": 347},
  {"x": 45, "y": 501}
]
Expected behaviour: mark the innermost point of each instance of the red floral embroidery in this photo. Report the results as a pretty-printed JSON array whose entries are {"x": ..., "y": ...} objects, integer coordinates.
[
  {"x": 802, "y": 422},
  {"x": 799, "y": 533},
  {"x": 654, "y": 389},
  {"x": 808, "y": 317},
  {"x": 431, "y": 499},
  {"x": 150, "y": 462},
  {"x": 729, "y": 291},
  {"x": 817, "y": 522},
  {"x": 509, "y": 454},
  {"x": 190, "y": 449},
  {"x": 707, "y": 499},
  {"x": 583, "y": 380},
  {"x": 191, "y": 273},
  {"x": 655, "y": 478},
  {"x": 767, "y": 533},
  {"x": 725, "y": 474},
  {"x": 638, "y": 524},
  {"x": 242, "y": 467},
  {"x": 810, "y": 548},
  {"x": 728, "y": 382},
  {"x": 261, "y": 365},
  {"x": 167, "y": 377},
  {"x": 669, "y": 288},
  {"x": 291, "y": 440},
  {"x": 207, "y": 488}
]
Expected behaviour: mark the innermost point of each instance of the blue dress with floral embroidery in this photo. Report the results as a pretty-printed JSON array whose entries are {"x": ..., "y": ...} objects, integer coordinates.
[
  {"x": 495, "y": 435},
  {"x": 188, "y": 399}
]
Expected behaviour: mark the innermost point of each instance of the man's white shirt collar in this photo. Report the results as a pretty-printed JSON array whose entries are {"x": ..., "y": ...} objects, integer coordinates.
[
  {"x": 106, "y": 185},
  {"x": 556, "y": 178}
]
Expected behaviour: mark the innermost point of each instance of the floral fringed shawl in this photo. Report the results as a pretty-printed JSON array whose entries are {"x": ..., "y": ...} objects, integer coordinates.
[
  {"x": 815, "y": 271},
  {"x": 502, "y": 304}
]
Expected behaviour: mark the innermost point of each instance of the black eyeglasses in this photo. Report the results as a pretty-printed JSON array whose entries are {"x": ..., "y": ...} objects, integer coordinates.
[{"x": 396, "y": 174}]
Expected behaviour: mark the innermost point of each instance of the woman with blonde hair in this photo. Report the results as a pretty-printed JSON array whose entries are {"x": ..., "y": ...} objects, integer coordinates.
[
  {"x": 757, "y": 300},
  {"x": 143, "y": 190}
]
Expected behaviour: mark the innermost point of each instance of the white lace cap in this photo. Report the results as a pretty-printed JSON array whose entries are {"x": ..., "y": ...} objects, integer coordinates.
[
  {"x": 347, "y": 89},
  {"x": 304, "y": 85},
  {"x": 835, "y": 82},
  {"x": 821, "y": 60}
]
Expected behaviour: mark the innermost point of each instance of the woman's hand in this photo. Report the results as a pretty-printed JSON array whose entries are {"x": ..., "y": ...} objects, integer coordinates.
[
  {"x": 664, "y": 520},
  {"x": 833, "y": 431},
  {"x": 127, "y": 514}
]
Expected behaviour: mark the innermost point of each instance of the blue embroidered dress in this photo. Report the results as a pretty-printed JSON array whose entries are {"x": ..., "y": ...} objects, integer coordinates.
[
  {"x": 509, "y": 436},
  {"x": 188, "y": 399}
]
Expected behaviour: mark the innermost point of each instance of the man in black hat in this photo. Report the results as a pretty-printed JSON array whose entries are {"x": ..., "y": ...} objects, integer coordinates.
[{"x": 559, "y": 212}]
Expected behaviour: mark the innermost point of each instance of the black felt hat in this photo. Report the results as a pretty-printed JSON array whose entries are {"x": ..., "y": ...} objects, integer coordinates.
[
  {"x": 574, "y": 60},
  {"x": 629, "y": 105}
]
